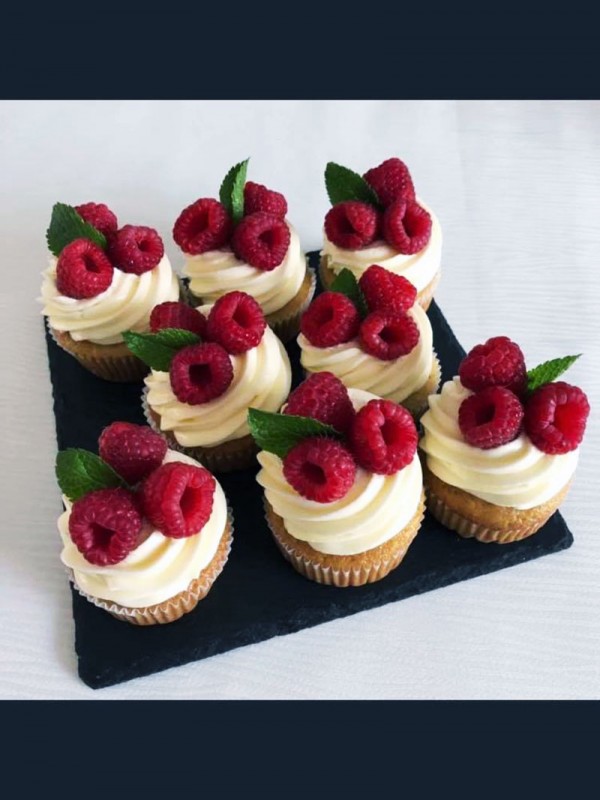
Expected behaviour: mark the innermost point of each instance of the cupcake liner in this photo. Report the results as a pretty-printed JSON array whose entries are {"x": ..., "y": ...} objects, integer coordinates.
[
  {"x": 286, "y": 321},
  {"x": 418, "y": 402}
]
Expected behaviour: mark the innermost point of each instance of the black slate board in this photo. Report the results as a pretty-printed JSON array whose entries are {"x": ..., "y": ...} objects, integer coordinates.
[{"x": 258, "y": 595}]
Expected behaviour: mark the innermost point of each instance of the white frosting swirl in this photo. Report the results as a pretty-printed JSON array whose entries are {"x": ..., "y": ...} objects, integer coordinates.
[
  {"x": 159, "y": 568},
  {"x": 376, "y": 508},
  {"x": 515, "y": 475},
  {"x": 125, "y": 305}
]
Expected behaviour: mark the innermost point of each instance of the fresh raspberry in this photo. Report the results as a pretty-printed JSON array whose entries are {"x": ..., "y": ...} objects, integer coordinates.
[
  {"x": 173, "y": 314},
  {"x": 391, "y": 181},
  {"x": 136, "y": 249},
  {"x": 388, "y": 335},
  {"x": 83, "y": 270},
  {"x": 555, "y": 417},
  {"x": 385, "y": 291},
  {"x": 320, "y": 469},
  {"x": 98, "y": 215},
  {"x": 332, "y": 318},
  {"x": 383, "y": 437},
  {"x": 406, "y": 227},
  {"x": 177, "y": 498},
  {"x": 491, "y": 417},
  {"x": 259, "y": 198},
  {"x": 131, "y": 450},
  {"x": 105, "y": 525},
  {"x": 200, "y": 372},
  {"x": 261, "y": 240},
  {"x": 498, "y": 362},
  {"x": 352, "y": 225},
  {"x": 324, "y": 397},
  {"x": 236, "y": 322},
  {"x": 202, "y": 226}
]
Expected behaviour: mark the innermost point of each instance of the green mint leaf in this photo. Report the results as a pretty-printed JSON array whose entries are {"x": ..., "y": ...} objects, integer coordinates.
[
  {"x": 548, "y": 371},
  {"x": 157, "y": 349},
  {"x": 66, "y": 225},
  {"x": 231, "y": 193},
  {"x": 342, "y": 184},
  {"x": 345, "y": 283},
  {"x": 79, "y": 472},
  {"x": 278, "y": 433}
]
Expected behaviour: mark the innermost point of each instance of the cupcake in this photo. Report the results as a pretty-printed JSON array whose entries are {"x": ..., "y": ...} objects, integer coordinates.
[
  {"x": 102, "y": 281},
  {"x": 378, "y": 219},
  {"x": 146, "y": 530},
  {"x": 205, "y": 373},
  {"x": 374, "y": 336},
  {"x": 342, "y": 481},
  {"x": 245, "y": 242},
  {"x": 501, "y": 444}
]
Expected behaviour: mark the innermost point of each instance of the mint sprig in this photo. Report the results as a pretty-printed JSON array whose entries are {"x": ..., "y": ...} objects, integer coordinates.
[
  {"x": 231, "y": 193},
  {"x": 157, "y": 349},
  {"x": 278, "y": 433},
  {"x": 345, "y": 283},
  {"x": 66, "y": 225},
  {"x": 343, "y": 184},
  {"x": 548, "y": 371},
  {"x": 79, "y": 472}
]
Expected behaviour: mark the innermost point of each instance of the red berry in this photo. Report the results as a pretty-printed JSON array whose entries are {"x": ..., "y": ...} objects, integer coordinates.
[
  {"x": 320, "y": 469},
  {"x": 105, "y": 525},
  {"x": 259, "y": 198},
  {"x": 98, "y": 215},
  {"x": 324, "y": 397},
  {"x": 385, "y": 291},
  {"x": 83, "y": 270},
  {"x": 383, "y": 437},
  {"x": 498, "y": 362},
  {"x": 200, "y": 373},
  {"x": 202, "y": 226},
  {"x": 332, "y": 318},
  {"x": 261, "y": 240},
  {"x": 388, "y": 335},
  {"x": 491, "y": 417},
  {"x": 177, "y": 498},
  {"x": 136, "y": 249},
  {"x": 555, "y": 417},
  {"x": 391, "y": 181},
  {"x": 173, "y": 314},
  {"x": 236, "y": 322},
  {"x": 131, "y": 450},
  {"x": 352, "y": 225},
  {"x": 406, "y": 227}
]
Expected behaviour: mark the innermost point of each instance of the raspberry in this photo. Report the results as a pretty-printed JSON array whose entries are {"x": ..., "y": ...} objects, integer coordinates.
[
  {"x": 236, "y": 322},
  {"x": 178, "y": 499},
  {"x": 173, "y": 314},
  {"x": 261, "y": 240},
  {"x": 491, "y": 417},
  {"x": 105, "y": 525},
  {"x": 498, "y": 362},
  {"x": 320, "y": 469},
  {"x": 98, "y": 215},
  {"x": 383, "y": 437},
  {"x": 200, "y": 372},
  {"x": 387, "y": 335},
  {"x": 202, "y": 226},
  {"x": 136, "y": 249},
  {"x": 555, "y": 417},
  {"x": 332, "y": 318},
  {"x": 83, "y": 270},
  {"x": 352, "y": 225},
  {"x": 391, "y": 181},
  {"x": 324, "y": 397},
  {"x": 385, "y": 291},
  {"x": 131, "y": 450},
  {"x": 259, "y": 198},
  {"x": 406, "y": 227}
]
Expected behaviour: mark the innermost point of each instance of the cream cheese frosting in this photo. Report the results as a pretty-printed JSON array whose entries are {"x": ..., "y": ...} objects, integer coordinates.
[
  {"x": 159, "y": 568},
  {"x": 376, "y": 508},
  {"x": 515, "y": 475}
]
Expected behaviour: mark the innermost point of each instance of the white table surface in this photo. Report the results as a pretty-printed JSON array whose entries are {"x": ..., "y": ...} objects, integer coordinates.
[{"x": 516, "y": 186}]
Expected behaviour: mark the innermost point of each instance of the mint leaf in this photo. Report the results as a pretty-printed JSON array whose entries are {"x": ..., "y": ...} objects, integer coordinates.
[
  {"x": 548, "y": 371},
  {"x": 345, "y": 283},
  {"x": 343, "y": 184},
  {"x": 278, "y": 433},
  {"x": 79, "y": 472},
  {"x": 157, "y": 349},
  {"x": 66, "y": 225},
  {"x": 231, "y": 193}
]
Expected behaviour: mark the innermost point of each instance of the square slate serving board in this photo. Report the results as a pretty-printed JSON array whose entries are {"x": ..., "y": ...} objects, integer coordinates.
[{"x": 258, "y": 595}]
